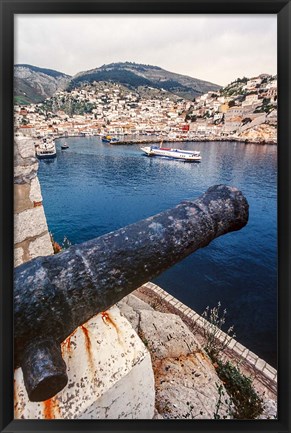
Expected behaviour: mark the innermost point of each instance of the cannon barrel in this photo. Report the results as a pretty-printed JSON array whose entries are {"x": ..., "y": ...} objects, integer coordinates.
[{"x": 54, "y": 295}]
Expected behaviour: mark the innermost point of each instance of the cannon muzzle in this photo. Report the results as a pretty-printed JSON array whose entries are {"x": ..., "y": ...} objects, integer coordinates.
[{"x": 56, "y": 294}]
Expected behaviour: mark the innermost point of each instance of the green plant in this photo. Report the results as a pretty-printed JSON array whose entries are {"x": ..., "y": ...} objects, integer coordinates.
[
  {"x": 216, "y": 342},
  {"x": 246, "y": 402},
  {"x": 228, "y": 401}
]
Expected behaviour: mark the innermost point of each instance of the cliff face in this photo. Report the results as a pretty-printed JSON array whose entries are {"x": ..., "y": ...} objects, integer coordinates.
[{"x": 33, "y": 85}]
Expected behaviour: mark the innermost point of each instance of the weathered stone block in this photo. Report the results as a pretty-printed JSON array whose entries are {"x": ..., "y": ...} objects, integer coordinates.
[
  {"x": 21, "y": 197},
  {"x": 41, "y": 246},
  {"x": 110, "y": 375},
  {"x": 166, "y": 334},
  {"x": 24, "y": 174},
  {"x": 25, "y": 162},
  {"x": 18, "y": 254},
  {"x": 128, "y": 398},
  {"x": 129, "y": 307},
  {"x": 24, "y": 147},
  {"x": 29, "y": 223},
  {"x": 260, "y": 364},
  {"x": 186, "y": 388},
  {"x": 185, "y": 378},
  {"x": 35, "y": 192}
]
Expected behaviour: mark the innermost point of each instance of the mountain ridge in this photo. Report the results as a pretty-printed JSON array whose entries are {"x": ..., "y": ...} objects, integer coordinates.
[
  {"x": 34, "y": 84},
  {"x": 136, "y": 74},
  {"x": 47, "y": 71}
]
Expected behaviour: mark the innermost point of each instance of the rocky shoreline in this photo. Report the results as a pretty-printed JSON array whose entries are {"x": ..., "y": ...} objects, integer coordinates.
[{"x": 174, "y": 371}]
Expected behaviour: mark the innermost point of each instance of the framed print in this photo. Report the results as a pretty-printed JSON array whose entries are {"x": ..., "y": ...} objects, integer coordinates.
[{"x": 145, "y": 242}]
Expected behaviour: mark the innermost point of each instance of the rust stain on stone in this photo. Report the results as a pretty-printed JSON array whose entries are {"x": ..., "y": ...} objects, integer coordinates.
[
  {"x": 48, "y": 409},
  {"x": 16, "y": 404},
  {"x": 87, "y": 337},
  {"x": 51, "y": 409},
  {"x": 109, "y": 321},
  {"x": 66, "y": 344},
  {"x": 37, "y": 203},
  {"x": 88, "y": 345}
]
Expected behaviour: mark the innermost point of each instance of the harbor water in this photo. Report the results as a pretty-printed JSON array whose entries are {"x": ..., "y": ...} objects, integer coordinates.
[{"x": 92, "y": 188}]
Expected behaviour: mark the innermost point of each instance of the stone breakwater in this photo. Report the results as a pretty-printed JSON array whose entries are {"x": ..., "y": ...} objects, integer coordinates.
[
  {"x": 250, "y": 139},
  {"x": 192, "y": 140}
]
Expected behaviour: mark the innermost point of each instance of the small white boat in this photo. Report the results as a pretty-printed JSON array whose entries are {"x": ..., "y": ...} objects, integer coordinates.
[
  {"x": 46, "y": 150},
  {"x": 64, "y": 146},
  {"x": 184, "y": 155}
]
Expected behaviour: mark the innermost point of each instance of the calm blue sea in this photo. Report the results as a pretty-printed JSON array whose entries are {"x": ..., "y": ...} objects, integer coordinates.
[{"x": 93, "y": 188}]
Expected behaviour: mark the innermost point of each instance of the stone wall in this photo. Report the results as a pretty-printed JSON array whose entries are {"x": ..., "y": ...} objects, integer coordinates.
[
  {"x": 31, "y": 236},
  {"x": 259, "y": 120}
]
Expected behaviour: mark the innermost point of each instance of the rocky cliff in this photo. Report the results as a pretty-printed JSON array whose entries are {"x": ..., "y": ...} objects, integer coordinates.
[{"x": 33, "y": 84}]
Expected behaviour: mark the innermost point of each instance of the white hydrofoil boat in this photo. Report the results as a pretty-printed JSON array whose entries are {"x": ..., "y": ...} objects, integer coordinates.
[{"x": 184, "y": 155}]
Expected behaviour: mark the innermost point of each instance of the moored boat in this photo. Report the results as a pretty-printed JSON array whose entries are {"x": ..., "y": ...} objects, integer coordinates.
[
  {"x": 46, "y": 150},
  {"x": 106, "y": 138},
  {"x": 65, "y": 146},
  {"x": 167, "y": 152},
  {"x": 110, "y": 139}
]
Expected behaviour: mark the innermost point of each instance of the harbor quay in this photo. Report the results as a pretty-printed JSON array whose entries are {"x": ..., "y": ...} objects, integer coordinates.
[
  {"x": 167, "y": 140},
  {"x": 189, "y": 140}
]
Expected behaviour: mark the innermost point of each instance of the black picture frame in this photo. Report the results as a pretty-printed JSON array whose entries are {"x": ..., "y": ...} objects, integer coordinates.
[{"x": 283, "y": 10}]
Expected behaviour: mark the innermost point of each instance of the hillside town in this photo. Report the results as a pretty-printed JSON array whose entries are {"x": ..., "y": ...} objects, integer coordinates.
[{"x": 245, "y": 110}]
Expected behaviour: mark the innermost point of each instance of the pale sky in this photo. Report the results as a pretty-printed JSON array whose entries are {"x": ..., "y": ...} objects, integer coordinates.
[{"x": 215, "y": 48}]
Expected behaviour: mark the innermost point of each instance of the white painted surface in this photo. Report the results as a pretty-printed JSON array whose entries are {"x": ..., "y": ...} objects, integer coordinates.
[{"x": 110, "y": 375}]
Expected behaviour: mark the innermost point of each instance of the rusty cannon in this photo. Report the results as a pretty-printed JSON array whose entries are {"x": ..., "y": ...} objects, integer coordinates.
[{"x": 54, "y": 295}]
